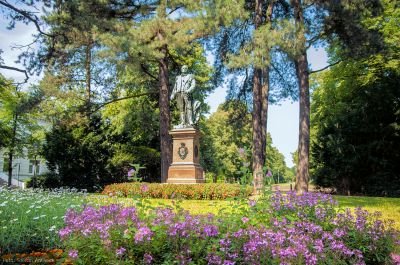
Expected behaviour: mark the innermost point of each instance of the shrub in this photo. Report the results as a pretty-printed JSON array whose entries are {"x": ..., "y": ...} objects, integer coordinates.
[
  {"x": 48, "y": 180},
  {"x": 30, "y": 219},
  {"x": 209, "y": 191},
  {"x": 282, "y": 229}
]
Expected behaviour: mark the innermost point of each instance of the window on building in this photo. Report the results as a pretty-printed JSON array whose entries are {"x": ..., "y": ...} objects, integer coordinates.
[
  {"x": 5, "y": 164},
  {"x": 34, "y": 165}
]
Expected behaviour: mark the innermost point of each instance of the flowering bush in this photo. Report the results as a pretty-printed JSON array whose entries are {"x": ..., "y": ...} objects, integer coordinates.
[
  {"x": 283, "y": 229},
  {"x": 209, "y": 191}
]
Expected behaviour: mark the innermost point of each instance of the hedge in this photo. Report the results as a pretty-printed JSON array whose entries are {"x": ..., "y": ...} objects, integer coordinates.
[{"x": 207, "y": 191}]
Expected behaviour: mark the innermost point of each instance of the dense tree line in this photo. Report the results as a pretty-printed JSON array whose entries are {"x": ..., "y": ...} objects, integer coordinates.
[
  {"x": 226, "y": 145},
  {"x": 355, "y": 117}
]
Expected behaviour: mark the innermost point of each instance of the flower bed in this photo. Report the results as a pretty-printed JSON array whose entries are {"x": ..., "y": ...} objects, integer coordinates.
[
  {"x": 282, "y": 229},
  {"x": 207, "y": 191},
  {"x": 37, "y": 257},
  {"x": 30, "y": 219}
]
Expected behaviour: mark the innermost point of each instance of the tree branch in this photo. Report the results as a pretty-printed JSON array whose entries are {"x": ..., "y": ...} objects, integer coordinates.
[
  {"x": 144, "y": 69},
  {"x": 326, "y": 67},
  {"x": 315, "y": 39},
  {"x": 173, "y": 10},
  {"x": 16, "y": 69},
  {"x": 27, "y": 15},
  {"x": 123, "y": 98},
  {"x": 279, "y": 72}
]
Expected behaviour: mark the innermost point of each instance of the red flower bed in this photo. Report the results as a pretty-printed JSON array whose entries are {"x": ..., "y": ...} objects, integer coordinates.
[
  {"x": 208, "y": 191},
  {"x": 37, "y": 257}
]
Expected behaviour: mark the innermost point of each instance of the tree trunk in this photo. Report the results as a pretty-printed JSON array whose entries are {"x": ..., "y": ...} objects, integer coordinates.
[
  {"x": 11, "y": 150},
  {"x": 165, "y": 139},
  {"x": 265, "y": 91},
  {"x": 258, "y": 153},
  {"x": 88, "y": 70},
  {"x": 264, "y": 110},
  {"x": 302, "y": 175},
  {"x": 257, "y": 133},
  {"x": 10, "y": 169}
]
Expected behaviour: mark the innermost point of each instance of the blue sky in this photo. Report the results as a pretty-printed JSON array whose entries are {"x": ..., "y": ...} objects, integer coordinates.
[{"x": 282, "y": 117}]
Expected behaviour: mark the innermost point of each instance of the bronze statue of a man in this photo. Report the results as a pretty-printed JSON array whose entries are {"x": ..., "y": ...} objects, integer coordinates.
[{"x": 184, "y": 85}]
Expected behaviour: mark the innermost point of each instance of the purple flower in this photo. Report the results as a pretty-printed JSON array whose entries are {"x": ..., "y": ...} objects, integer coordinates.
[
  {"x": 269, "y": 174},
  {"x": 64, "y": 232},
  {"x": 131, "y": 172},
  {"x": 210, "y": 230},
  {"x": 73, "y": 253},
  {"x": 143, "y": 233},
  {"x": 120, "y": 251},
  {"x": 252, "y": 203},
  {"x": 214, "y": 259},
  {"x": 147, "y": 258},
  {"x": 144, "y": 188}
]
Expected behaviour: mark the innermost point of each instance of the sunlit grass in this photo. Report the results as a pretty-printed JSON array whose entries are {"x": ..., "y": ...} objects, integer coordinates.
[
  {"x": 389, "y": 207},
  {"x": 193, "y": 206}
]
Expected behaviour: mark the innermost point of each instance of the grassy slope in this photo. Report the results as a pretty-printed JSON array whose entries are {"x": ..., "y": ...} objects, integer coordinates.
[{"x": 390, "y": 207}]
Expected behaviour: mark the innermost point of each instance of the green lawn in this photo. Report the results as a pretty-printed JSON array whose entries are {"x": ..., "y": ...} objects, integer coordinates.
[{"x": 390, "y": 207}]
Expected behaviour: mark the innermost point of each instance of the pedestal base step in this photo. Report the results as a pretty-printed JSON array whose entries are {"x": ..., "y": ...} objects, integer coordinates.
[{"x": 185, "y": 181}]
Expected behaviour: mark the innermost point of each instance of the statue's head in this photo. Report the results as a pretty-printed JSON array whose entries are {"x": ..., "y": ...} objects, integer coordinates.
[{"x": 184, "y": 69}]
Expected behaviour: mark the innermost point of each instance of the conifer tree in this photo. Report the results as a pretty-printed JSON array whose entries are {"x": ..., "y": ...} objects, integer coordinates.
[
  {"x": 301, "y": 62},
  {"x": 253, "y": 55},
  {"x": 170, "y": 27},
  {"x": 322, "y": 22}
]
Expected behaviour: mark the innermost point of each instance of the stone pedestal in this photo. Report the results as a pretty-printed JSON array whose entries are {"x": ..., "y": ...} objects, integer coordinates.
[{"x": 185, "y": 167}]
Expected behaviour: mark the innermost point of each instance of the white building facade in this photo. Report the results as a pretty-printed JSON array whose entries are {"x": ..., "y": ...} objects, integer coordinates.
[{"x": 24, "y": 167}]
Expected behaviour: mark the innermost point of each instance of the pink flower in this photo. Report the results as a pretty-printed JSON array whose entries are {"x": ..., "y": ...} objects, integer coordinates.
[
  {"x": 396, "y": 258},
  {"x": 241, "y": 151},
  {"x": 73, "y": 253},
  {"x": 144, "y": 188},
  {"x": 245, "y": 219}
]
